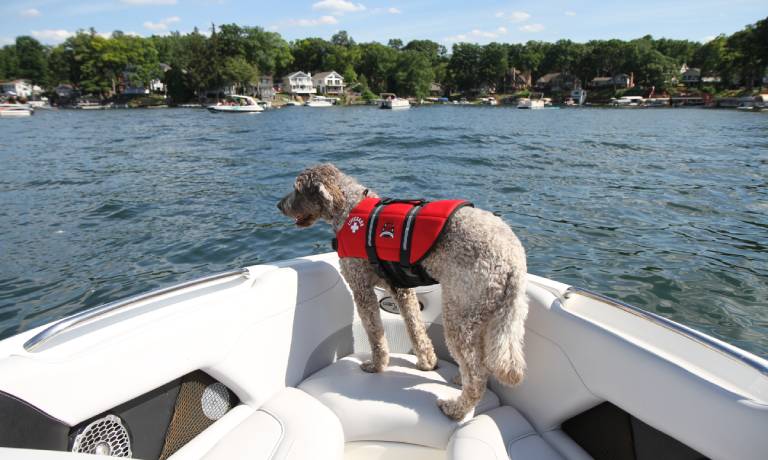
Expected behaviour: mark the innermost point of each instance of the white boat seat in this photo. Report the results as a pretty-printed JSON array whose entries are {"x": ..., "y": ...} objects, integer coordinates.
[
  {"x": 290, "y": 426},
  {"x": 397, "y": 405},
  {"x": 499, "y": 434}
]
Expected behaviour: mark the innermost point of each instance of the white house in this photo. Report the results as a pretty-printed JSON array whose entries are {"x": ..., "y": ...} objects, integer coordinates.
[
  {"x": 299, "y": 84},
  {"x": 691, "y": 76},
  {"x": 328, "y": 82},
  {"x": 20, "y": 88}
]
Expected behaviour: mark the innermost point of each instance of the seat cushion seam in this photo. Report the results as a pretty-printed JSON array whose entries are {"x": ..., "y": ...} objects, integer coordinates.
[{"x": 282, "y": 431}]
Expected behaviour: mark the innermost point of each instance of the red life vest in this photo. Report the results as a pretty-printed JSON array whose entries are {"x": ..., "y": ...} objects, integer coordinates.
[{"x": 395, "y": 236}]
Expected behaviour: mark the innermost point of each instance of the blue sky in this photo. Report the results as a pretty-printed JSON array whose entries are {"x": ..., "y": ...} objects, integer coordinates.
[{"x": 446, "y": 21}]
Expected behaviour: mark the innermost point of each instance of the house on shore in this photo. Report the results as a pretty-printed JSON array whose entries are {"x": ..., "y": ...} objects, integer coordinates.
[
  {"x": 266, "y": 88},
  {"x": 519, "y": 80},
  {"x": 691, "y": 76},
  {"x": 557, "y": 81},
  {"x": 329, "y": 83},
  {"x": 620, "y": 80},
  {"x": 19, "y": 88},
  {"x": 299, "y": 84}
]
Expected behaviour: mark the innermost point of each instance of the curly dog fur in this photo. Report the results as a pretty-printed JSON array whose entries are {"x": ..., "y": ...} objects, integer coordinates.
[{"x": 480, "y": 265}]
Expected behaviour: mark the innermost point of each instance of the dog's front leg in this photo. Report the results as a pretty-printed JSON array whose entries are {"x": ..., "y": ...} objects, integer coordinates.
[
  {"x": 408, "y": 304},
  {"x": 368, "y": 310}
]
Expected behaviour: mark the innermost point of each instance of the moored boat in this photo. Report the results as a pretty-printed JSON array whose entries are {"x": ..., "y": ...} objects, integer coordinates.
[
  {"x": 16, "y": 110},
  {"x": 528, "y": 103},
  {"x": 320, "y": 101},
  {"x": 237, "y": 104},
  {"x": 391, "y": 101},
  {"x": 264, "y": 362}
]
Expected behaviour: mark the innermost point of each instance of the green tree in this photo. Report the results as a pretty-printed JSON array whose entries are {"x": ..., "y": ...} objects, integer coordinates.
[
  {"x": 464, "y": 65},
  {"x": 32, "y": 60},
  {"x": 238, "y": 72},
  {"x": 376, "y": 63},
  {"x": 493, "y": 65},
  {"x": 9, "y": 64},
  {"x": 413, "y": 75},
  {"x": 395, "y": 43}
]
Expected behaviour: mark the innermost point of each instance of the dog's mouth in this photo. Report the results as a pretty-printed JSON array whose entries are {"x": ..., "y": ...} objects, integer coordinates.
[{"x": 304, "y": 221}]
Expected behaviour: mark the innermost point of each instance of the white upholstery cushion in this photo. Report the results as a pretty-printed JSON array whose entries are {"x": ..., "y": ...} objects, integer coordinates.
[
  {"x": 500, "y": 434},
  {"x": 291, "y": 425},
  {"x": 398, "y": 404}
]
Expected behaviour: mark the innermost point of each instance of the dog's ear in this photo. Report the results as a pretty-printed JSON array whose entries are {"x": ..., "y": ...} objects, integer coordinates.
[{"x": 321, "y": 182}]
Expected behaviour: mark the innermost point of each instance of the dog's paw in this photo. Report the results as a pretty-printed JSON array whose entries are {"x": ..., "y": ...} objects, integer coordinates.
[
  {"x": 427, "y": 363},
  {"x": 456, "y": 380},
  {"x": 371, "y": 366},
  {"x": 452, "y": 408}
]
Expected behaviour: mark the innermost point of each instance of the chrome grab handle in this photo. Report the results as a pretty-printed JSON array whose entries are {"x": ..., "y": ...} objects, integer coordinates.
[{"x": 62, "y": 325}]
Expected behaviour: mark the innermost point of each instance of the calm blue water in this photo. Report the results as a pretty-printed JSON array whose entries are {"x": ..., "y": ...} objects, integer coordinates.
[{"x": 665, "y": 209}]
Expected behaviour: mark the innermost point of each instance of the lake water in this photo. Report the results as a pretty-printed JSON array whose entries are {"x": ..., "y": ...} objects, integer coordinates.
[{"x": 666, "y": 209}]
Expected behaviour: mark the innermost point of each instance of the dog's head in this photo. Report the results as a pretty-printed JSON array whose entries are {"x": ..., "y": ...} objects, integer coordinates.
[{"x": 316, "y": 195}]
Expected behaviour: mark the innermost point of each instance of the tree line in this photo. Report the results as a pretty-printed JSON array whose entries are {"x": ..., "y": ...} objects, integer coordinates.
[{"x": 233, "y": 55}]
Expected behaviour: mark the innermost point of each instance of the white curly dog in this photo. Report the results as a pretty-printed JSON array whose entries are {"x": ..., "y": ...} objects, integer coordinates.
[{"x": 480, "y": 265}]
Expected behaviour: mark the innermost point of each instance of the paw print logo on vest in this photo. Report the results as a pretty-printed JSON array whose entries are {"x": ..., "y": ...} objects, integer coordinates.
[
  {"x": 388, "y": 230},
  {"x": 355, "y": 224}
]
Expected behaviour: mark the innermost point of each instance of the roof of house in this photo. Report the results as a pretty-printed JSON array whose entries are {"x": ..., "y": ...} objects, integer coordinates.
[
  {"x": 298, "y": 73},
  {"x": 602, "y": 79},
  {"x": 548, "y": 77},
  {"x": 323, "y": 75}
]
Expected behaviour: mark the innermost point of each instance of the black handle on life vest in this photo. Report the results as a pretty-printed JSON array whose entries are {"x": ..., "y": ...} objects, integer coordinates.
[{"x": 415, "y": 201}]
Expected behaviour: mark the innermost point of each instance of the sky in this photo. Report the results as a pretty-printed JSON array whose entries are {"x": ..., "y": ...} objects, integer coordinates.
[{"x": 446, "y": 21}]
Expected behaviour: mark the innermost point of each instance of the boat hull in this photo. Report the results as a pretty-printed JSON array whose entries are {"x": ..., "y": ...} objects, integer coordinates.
[
  {"x": 268, "y": 327},
  {"x": 235, "y": 109}
]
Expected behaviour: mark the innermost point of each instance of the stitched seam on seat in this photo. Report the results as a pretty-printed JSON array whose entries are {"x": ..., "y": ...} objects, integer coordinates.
[
  {"x": 482, "y": 441},
  {"x": 282, "y": 432},
  {"x": 509, "y": 446}
]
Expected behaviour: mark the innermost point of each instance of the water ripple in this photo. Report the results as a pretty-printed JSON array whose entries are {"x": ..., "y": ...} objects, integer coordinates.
[{"x": 662, "y": 209}]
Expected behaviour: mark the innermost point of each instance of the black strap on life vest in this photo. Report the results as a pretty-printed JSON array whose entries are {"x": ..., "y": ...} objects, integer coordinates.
[{"x": 400, "y": 274}]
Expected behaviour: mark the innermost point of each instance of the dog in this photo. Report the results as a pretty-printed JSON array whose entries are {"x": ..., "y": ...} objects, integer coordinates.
[{"x": 477, "y": 259}]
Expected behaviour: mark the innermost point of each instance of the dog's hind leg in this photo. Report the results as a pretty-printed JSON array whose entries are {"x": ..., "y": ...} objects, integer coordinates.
[
  {"x": 422, "y": 346},
  {"x": 465, "y": 344}
]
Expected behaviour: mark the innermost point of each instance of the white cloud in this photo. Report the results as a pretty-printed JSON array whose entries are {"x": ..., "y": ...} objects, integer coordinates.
[
  {"x": 519, "y": 16},
  {"x": 52, "y": 35},
  {"x": 30, "y": 13},
  {"x": 6, "y": 41},
  {"x": 393, "y": 11},
  {"x": 532, "y": 28},
  {"x": 149, "y": 2},
  {"x": 337, "y": 7},
  {"x": 570, "y": 13},
  {"x": 161, "y": 25},
  {"x": 478, "y": 34},
  {"x": 322, "y": 20},
  {"x": 709, "y": 38},
  {"x": 499, "y": 14}
]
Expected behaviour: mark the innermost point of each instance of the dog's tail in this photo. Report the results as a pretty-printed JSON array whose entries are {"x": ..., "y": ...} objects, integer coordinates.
[{"x": 504, "y": 334}]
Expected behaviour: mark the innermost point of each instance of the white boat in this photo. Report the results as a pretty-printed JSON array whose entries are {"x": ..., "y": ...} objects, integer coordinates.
[
  {"x": 528, "y": 103},
  {"x": 263, "y": 362},
  {"x": 490, "y": 101},
  {"x": 628, "y": 101},
  {"x": 579, "y": 96},
  {"x": 16, "y": 110},
  {"x": 320, "y": 101},
  {"x": 391, "y": 101},
  {"x": 237, "y": 104}
]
